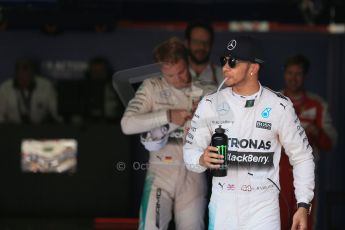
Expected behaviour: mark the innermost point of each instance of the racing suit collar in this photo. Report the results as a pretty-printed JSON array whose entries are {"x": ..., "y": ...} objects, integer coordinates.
[
  {"x": 207, "y": 70},
  {"x": 191, "y": 91},
  {"x": 172, "y": 87},
  {"x": 246, "y": 101}
]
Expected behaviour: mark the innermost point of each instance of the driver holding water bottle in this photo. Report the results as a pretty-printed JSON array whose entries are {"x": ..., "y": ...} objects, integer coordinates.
[{"x": 257, "y": 122}]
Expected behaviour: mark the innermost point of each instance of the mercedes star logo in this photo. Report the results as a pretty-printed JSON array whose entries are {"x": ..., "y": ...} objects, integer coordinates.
[
  {"x": 231, "y": 45},
  {"x": 223, "y": 108}
]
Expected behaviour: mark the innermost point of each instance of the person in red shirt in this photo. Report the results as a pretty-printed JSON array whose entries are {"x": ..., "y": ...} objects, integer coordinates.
[{"x": 313, "y": 113}]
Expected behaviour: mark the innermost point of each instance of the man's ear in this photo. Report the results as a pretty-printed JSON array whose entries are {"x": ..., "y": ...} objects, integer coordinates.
[{"x": 255, "y": 67}]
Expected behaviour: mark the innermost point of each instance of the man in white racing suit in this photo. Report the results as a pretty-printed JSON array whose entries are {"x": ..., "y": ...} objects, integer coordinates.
[
  {"x": 163, "y": 106},
  {"x": 258, "y": 122}
]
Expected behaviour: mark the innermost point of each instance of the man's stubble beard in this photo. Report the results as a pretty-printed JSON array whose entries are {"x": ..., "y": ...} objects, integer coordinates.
[{"x": 197, "y": 61}]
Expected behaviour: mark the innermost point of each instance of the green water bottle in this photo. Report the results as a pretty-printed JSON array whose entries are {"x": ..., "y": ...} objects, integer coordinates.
[{"x": 220, "y": 140}]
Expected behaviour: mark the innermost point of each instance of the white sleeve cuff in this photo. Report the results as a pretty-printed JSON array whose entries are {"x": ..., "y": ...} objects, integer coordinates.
[
  {"x": 192, "y": 161},
  {"x": 304, "y": 181},
  {"x": 162, "y": 117}
]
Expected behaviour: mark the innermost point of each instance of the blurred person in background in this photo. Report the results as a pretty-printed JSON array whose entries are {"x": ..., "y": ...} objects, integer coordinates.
[
  {"x": 27, "y": 98},
  {"x": 161, "y": 110},
  {"x": 313, "y": 113},
  {"x": 199, "y": 37},
  {"x": 99, "y": 100}
]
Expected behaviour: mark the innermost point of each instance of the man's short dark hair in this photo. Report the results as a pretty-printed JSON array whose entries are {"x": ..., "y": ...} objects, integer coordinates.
[
  {"x": 199, "y": 24},
  {"x": 300, "y": 60}
]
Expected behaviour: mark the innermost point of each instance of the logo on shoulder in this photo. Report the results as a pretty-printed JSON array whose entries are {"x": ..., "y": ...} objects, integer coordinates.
[
  {"x": 263, "y": 125},
  {"x": 284, "y": 106}
]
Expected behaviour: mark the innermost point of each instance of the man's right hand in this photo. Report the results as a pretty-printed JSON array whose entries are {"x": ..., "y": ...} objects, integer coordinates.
[
  {"x": 210, "y": 158},
  {"x": 179, "y": 116}
]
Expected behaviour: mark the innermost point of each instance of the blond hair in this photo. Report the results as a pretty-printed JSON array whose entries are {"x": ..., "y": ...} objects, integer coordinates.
[{"x": 170, "y": 51}]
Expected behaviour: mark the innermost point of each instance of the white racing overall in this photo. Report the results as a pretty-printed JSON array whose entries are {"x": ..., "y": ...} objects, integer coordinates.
[
  {"x": 247, "y": 198},
  {"x": 169, "y": 186}
]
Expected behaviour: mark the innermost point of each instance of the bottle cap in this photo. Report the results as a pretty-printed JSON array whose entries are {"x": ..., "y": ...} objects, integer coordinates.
[{"x": 220, "y": 129}]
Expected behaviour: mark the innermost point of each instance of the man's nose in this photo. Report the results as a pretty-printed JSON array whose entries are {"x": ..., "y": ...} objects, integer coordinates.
[{"x": 227, "y": 67}]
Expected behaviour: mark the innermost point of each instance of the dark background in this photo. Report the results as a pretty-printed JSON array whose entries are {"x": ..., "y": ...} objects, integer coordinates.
[{"x": 98, "y": 188}]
